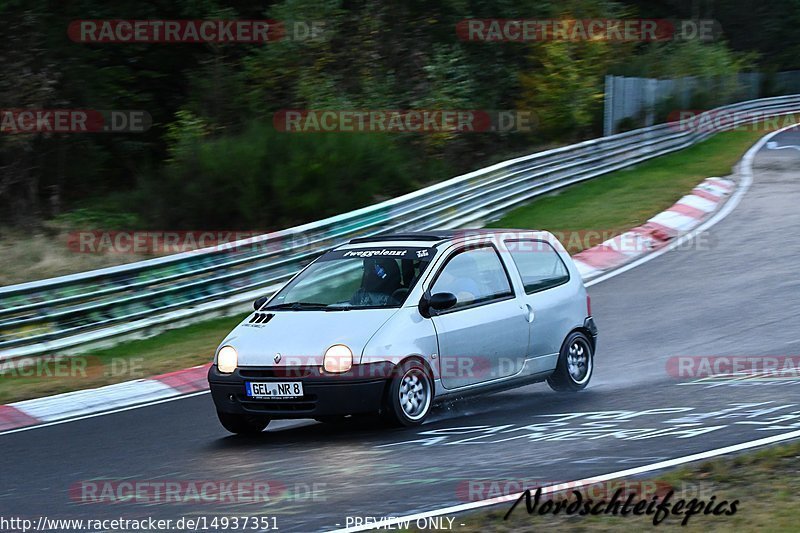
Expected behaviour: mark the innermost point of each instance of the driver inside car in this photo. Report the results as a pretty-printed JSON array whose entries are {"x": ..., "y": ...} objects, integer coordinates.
[
  {"x": 380, "y": 280},
  {"x": 456, "y": 278}
]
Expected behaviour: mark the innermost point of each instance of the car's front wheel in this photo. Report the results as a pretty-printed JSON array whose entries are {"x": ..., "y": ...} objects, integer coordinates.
[
  {"x": 243, "y": 424},
  {"x": 409, "y": 395},
  {"x": 575, "y": 364}
]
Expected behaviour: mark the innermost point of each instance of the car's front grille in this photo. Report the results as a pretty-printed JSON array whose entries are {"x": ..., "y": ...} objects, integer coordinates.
[
  {"x": 304, "y": 404},
  {"x": 276, "y": 372}
]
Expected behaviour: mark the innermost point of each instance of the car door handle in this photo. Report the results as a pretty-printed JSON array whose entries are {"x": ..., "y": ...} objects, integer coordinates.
[{"x": 529, "y": 314}]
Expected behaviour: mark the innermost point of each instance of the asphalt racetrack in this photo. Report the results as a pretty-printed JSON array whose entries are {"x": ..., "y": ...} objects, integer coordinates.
[{"x": 735, "y": 292}]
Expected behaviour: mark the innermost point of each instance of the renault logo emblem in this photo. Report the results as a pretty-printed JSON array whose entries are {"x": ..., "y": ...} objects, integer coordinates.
[{"x": 277, "y": 358}]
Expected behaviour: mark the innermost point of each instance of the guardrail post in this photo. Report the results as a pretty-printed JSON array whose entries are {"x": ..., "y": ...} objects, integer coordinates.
[
  {"x": 608, "y": 107},
  {"x": 650, "y": 101}
]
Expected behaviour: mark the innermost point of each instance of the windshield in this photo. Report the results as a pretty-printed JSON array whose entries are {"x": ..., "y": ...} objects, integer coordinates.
[{"x": 360, "y": 278}]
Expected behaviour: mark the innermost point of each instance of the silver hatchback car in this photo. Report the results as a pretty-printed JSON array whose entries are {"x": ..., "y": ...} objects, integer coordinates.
[{"x": 388, "y": 324}]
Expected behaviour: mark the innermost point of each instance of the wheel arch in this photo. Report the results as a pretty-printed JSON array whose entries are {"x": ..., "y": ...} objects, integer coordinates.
[
  {"x": 588, "y": 334},
  {"x": 420, "y": 359}
]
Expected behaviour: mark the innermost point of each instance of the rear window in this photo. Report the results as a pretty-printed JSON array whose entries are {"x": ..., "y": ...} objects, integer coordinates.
[{"x": 539, "y": 265}]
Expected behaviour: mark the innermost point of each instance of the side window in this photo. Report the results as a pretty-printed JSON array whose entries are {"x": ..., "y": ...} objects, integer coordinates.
[
  {"x": 475, "y": 276},
  {"x": 539, "y": 265}
]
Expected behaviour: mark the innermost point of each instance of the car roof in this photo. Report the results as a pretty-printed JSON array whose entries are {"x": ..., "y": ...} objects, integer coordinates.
[{"x": 435, "y": 237}]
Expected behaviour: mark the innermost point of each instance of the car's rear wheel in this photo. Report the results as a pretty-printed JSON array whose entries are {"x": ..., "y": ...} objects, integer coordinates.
[
  {"x": 243, "y": 424},
  {"x": 409, "y": 395},
  {"x": 575, "y": 364}
]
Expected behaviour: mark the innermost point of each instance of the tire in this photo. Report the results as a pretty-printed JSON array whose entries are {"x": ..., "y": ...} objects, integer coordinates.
[
  {"x": 409, "y": 395},
  {"x": 243, "y": 424},
  {"x": 575, "y": 364}
]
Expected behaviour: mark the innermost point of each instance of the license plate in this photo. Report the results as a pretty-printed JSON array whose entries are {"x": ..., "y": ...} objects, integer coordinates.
[{"x": 279, "y": 390}]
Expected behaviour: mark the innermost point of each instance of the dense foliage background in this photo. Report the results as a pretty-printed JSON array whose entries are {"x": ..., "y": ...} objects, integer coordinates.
[{"x": 212, "y": 158}]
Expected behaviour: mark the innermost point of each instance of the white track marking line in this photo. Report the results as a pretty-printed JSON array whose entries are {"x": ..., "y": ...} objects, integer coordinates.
[
  {"x": 774, "y": 146},
  {"x": 579, "y": 483}
]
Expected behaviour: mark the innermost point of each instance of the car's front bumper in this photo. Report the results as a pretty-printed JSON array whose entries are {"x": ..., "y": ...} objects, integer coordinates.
[{"x": 358, "y": 391}]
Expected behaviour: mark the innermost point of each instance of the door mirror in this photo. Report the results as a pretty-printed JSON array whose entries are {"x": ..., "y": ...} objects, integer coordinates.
[
  {"x": 258, "y": 304},
  {"x": 442, "y": 300}
]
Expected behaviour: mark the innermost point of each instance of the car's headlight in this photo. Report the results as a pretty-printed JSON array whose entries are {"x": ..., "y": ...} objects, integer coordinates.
[
  {"x": 338, "y": 358},
  {"x": 227, "y": 359}
]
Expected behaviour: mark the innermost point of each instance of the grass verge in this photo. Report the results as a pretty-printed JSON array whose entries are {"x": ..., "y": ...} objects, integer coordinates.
[
  {"x": 612, "y": 203},
  {"x": 765, "y": 482}
]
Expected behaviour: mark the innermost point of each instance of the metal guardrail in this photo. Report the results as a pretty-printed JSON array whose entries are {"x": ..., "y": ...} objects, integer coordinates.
[
  {"x": 637, "y": 99},
  {"x": 40, "y": 316}
]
